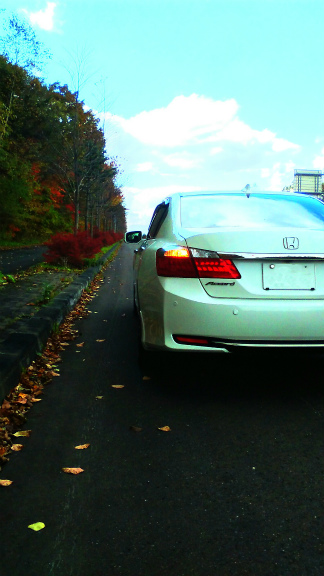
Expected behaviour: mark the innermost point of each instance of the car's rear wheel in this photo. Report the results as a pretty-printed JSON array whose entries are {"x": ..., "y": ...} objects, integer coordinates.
[{"x": 150, "y": 361}]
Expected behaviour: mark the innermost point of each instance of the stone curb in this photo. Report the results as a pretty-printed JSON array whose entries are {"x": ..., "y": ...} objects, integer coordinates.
[{"x": 21, "y": 347}]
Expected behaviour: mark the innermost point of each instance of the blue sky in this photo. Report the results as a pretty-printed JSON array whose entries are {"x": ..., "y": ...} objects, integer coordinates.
[{"x": 194, "y": 94}]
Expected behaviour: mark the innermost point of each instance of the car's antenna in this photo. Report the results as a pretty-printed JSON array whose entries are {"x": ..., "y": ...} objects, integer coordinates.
[{"x": 246, "y": 190}]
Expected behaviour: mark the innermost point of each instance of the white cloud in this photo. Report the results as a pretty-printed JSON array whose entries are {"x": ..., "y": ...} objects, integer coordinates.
[
  {"x": 289, "y": 167},
  {"x": 276, "y": 179},
  {"x": 205, "y": 146},
  {"x": 280, "y": 144},
  {"x": 318, "y": 162},
  {"x": 44, "y": 18},
  {"x": 279, "y": 175},
  {"x": 182, "y": 160},
  {"x": 186, "y": 120},
  {"x": 215, "y": 150},
  {"x": 265, "y": 172},
  {"x": 194, "y": 120},
  {"x": 144, "y": 167}
]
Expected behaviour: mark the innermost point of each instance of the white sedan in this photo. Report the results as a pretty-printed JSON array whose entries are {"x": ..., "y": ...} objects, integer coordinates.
[{"x": 219, "y": 271}]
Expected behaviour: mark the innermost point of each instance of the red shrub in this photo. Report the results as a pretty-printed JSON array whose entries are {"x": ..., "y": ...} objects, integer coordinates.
[
  {"x": 107, "y": 238},
  {"x": 73, "y": 249}
]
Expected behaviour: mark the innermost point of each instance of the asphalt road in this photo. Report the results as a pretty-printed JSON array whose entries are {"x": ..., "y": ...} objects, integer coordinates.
[
  {"x": 12, "y": 261},
  {"x": 234, "y": 488}
]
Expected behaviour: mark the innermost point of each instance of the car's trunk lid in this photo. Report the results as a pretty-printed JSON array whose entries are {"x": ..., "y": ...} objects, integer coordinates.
[{"x": 277, "y": 263}]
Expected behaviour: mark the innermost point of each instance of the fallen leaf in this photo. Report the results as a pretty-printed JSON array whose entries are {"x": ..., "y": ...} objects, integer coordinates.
[
  {"x": 80, "y": 345},
  {"x": 37, "y": 526},
  {"x": 5, "y": 405},
  {"x": 21, "y": 399},
  {"x": 82, "y": 446},
  {"x": 117, "y": 386},
  {"x": 101, "y": 340},
  {"x": 5, "y": 482},
  {"x": 22, "y": 433},
  {"x": 36, "y": 399},
  {"x": 165, "y": 429},
  {"x": 55, "y": 374},
  {"x": 17, "y": 447},
  {"x": 146, "y": 377},
  {"x": 72, "y": 470},
  {"x": 135, "y": 429},
  {"x": 99, "y": 397}
]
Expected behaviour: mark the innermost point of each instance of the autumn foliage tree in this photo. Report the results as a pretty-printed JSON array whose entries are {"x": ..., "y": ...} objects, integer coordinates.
[{"x": 55, "y": 175}]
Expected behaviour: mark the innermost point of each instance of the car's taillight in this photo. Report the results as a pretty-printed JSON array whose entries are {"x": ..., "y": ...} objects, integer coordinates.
[
  {"x": 181, "y": 262},
  {"x": 216, "y": 268},
  {"x": 176, "y": 262}
]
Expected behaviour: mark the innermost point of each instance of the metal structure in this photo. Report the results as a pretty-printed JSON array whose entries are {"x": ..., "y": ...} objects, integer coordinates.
[{"x": 308, "y": 182}]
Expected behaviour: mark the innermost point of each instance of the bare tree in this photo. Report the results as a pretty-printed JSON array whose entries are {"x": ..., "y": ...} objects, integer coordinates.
[{"x": 21, "y": 46}]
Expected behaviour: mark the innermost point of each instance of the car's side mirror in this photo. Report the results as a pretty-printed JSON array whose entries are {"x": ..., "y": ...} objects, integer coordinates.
[{"x": 133, "y": 237}]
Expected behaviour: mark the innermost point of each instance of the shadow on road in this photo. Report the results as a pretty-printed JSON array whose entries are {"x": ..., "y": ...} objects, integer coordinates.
[{"x": 254, "y": 375}]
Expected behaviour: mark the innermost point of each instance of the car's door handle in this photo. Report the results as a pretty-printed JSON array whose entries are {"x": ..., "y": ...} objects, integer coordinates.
[
  {"x": 136, "y": 251},
  {"x": 142, "y": 248}
]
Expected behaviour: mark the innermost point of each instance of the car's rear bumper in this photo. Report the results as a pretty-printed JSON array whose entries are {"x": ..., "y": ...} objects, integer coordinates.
[{"x": 229, "y": 324}]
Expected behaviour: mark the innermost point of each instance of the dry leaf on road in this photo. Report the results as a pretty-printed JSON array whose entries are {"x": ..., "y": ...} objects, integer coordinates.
[
  {"x": 82, "y": 446},
  {"x": 135, "y": 429},
  {"x": 99, "y": 397},
  {"x": 37, "y": 526},
  {"x": 5, "y": 482},
  {"x": 17, "y": 447},
  {"x": 165, "y": 429},
  {"x": 22, "y": 398},
  {"x": 101, "y": 340},
  {"x": 117, "y": 386},
  {"x": 72, "y": 470},
  {"x": 80, "y": 345},
  {"x": 22, "y": 433}
]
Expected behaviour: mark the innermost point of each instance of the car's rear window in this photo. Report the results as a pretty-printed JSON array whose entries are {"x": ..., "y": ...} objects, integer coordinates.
[{"x": 255, "y": 211}]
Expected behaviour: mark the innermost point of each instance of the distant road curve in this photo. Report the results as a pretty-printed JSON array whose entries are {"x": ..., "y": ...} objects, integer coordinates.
[{"x": 12, "y": 261}]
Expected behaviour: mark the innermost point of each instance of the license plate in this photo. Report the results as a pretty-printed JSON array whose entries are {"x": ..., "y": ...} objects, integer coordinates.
[{"x": 291, "y": 276}]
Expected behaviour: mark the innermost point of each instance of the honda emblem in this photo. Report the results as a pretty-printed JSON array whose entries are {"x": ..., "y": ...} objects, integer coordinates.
[{"x": 291, "y": 243}]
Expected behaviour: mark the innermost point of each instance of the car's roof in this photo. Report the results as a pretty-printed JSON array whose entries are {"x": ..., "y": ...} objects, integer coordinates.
[{"x": 246, "y": 193}]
